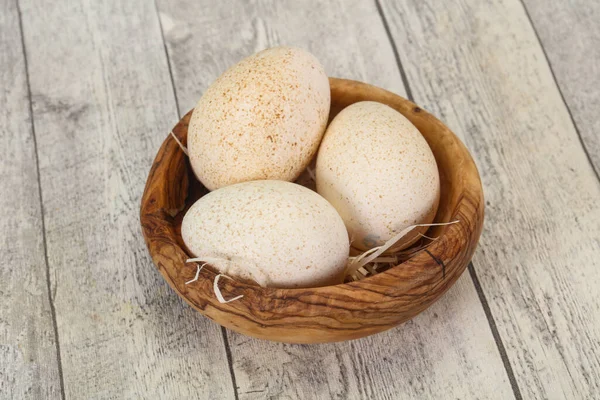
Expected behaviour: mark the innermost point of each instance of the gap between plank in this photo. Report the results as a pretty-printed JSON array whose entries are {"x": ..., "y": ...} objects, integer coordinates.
[
  {"x": 230, "y": 362},
  {"x": 162, "y": 35},
  {"x": 43, "y": 218},
  {"x": 223, "y": 330},
  {"x": 409, "y": 94},
  {"x": 495, "y": 333},
  {"x": 585, "y": 150},
  {"x": 472, "y": 273}
]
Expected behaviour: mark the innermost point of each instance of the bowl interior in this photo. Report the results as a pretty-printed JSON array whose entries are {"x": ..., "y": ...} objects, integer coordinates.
[{"x": 196, "y": 190}]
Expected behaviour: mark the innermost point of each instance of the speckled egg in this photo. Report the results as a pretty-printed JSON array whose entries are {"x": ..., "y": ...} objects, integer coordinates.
[
  {"x": 276, "y": 233},
  {"x": 379, "y": 173},
  {"x": 262, "y": 119}
]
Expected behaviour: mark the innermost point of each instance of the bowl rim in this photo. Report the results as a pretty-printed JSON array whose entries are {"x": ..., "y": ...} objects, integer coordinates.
[{"x": 455, "y": 242}]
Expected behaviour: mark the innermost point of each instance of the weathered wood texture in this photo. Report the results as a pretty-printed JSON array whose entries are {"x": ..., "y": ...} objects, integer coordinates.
[
  {"x": 28, "y": 357},
  {"x": 431, "y": 356},
  {"x": 102, "y": 103},
  {"x": 569, "y": 31},
  {"x": 479, "y": 66},
  {"x": 203, "y": 39}
]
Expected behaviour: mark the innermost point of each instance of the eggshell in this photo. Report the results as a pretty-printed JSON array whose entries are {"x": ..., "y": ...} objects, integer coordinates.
[
  {"x": 262, "y": 119},
  {"x": 379, "y": 173},
  {"x": 276, "y": 233}
]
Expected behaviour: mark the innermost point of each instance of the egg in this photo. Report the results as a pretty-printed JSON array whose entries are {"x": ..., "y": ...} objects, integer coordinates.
[
  {"x": 377, "y": 170},
  {"x": 262, "y": 119},
  {"x": 276, "y": 233}
]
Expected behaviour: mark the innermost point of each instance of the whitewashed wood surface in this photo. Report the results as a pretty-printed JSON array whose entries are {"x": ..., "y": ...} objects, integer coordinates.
[{"x": 89, "y": 90}]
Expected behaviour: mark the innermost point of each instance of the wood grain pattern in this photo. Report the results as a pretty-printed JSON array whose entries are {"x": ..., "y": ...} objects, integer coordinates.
[
  {"x": 570, "y": 34},
  {"x": 203, "y": 39},
  {"x": 331, "y": 313},
  {"x": 480, "y": 67},
  {"x": 102, "y": 103},
  {"x": 28, "y": 357},
  {"x": 431, "y": 356},
  {"x": 102, "y": 108}
]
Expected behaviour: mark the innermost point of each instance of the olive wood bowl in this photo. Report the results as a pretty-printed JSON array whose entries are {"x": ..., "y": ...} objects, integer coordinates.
[{"x": 330, "y": 313}]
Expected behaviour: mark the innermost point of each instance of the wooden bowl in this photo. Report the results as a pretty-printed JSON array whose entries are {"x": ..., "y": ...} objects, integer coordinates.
[{"x": 331, "y": 313}]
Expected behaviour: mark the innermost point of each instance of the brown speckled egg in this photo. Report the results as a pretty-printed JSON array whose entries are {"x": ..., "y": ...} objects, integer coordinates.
[
  {"x": 262, "y": 119},
  {"x": 379, "y": 173},
  {"x": 276, "y": 233}
]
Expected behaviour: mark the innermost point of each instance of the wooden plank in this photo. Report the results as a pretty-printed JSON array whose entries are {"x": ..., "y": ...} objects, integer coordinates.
[
  {"x": 204, "y": 38},
  {"x": 480, "y": 67},
  {"x": 103, "y": 103},
  {"x": 445, "y": 352},
  {"x": 449, "y": 343},
  {"x": 28, "y": 357},
  {"x": 570, "y": 34}
]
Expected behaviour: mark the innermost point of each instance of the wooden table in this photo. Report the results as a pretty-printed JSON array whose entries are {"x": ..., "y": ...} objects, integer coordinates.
[{"x": 88, "y": 91}]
